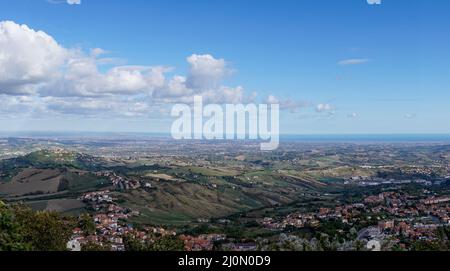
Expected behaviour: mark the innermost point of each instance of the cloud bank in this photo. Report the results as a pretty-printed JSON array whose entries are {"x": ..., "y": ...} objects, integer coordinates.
[
  {"x": 36, "y": 70},
  {"x": 40, "y": 77}
]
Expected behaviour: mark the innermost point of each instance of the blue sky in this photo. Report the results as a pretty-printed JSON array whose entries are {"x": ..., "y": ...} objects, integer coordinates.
[{"x": 339, "y": 66}]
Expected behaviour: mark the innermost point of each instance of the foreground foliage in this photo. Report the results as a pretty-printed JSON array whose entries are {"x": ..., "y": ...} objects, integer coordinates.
[{"x": 23, "y": 229}]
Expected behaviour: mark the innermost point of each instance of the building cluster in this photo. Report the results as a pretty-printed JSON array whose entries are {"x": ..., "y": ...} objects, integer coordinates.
[
  {"x": 110, "y": 234},
  {"x": 204, "y": 242},
  {"x": 111, "y": 228},
  {"x": 398, "y": 215},
  {"x": 297, "y": 220},
  {"x": 103, "y": 201},
  {"x": 109, "y": 222},
  {"x": 124, "y": 183},
  {"x": 313, "y": 219},
  {"x": 410, "y": 217},
  {"x": 97, "y": 200}
]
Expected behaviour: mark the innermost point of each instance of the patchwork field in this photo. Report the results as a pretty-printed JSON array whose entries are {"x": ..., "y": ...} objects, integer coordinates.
[
  {"x": 213, "y": 171},
  {"x": 63, "y": 205},
  {"x": 32, "y": 181},
  {"x": 163, "y": 177}
]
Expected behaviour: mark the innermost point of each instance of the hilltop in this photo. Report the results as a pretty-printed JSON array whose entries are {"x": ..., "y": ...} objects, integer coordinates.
[{"x": 48, "y": 174}]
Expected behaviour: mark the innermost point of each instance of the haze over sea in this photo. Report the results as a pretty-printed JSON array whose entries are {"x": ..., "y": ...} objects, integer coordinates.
[{"x": 330, "y": 138}]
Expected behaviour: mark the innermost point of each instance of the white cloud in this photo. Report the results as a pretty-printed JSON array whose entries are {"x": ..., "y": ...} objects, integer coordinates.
[
  {"x": 27, "y": 58},
  {"x": 287, "y": 104},
  {"x": 97, "y": 52},
  {"x": 32, "y": 61},
  {"x": 74, "y": 2},
  {"x": 175, "y": 88},
  {"x": 204, "y": 78},
  {"x": 374, "y": 2},
  {"x": 272, "y": 100},
  {"x": 206, "y": 71},
  {"x": 353, "y": 61},
  {"x": 70, "y": 2},
  {"x": 81, "y": 77},
  {"x": 70, "y": 80},
  {"x": 352, "y": 115},
  {"x": 323, "y": 108},
  {"x": 20, "y": 106},
  {"x": 224, "y": 94},
  {"x": 105, "y": 107}
]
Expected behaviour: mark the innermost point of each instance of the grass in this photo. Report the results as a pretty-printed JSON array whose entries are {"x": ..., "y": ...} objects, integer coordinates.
[
  {"x": 213, "y": 172},
  {"x": 32, "y": 181},
  {"x": 81, "y": 183},
  {"x": 58, "y": 205}
]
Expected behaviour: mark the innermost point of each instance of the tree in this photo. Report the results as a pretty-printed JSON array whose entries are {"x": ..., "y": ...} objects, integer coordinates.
[
  {"x": 353, "y": 233},
  {"x": 359, "y": 245},
  {"x": 167, "y": 243},
  {"x": 11, "y": 237},
  {"x": 45, "y": 231},
  {"x": 133, "y": 244},
  {"x": 86, "y": 224},
  {"x": 427, "y": 246}
]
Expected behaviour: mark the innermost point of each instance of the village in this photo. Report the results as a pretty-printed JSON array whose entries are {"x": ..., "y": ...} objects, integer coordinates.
[
  {"x": 111, "y": 227},
  {"x": 396, "y": 216}
]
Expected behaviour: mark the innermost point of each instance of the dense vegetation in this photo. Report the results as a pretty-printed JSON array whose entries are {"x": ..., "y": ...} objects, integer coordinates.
[{"x": 23, "y": 229}]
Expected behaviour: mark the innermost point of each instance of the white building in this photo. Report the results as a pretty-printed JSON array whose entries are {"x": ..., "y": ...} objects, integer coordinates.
[{"x": 74, "y": 245}]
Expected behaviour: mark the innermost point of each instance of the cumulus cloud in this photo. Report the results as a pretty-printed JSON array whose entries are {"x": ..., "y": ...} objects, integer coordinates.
[
  {"x": 82, "y": 78},
  {"x": 204, "y": 78},
  {"x": 27, "y": 58},
  {"x": 70, "y": 80},
  {"x": 206, "y": 71},
  {"x": 174, "y": 88},
  {"x": 353, "y": 61}
]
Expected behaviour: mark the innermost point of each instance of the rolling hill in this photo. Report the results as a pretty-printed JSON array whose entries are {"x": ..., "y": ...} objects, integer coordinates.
[{"x": 49, "y": 178}]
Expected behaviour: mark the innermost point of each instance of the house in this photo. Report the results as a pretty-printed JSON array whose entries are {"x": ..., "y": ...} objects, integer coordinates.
[
  {"x": 386, "y": 225},
  {"x": 74, "y": 245}
]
